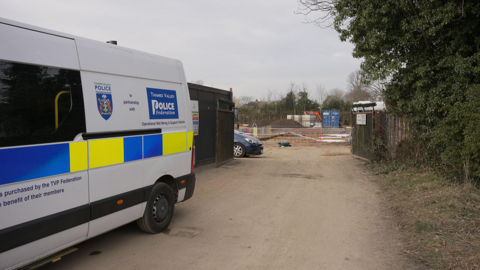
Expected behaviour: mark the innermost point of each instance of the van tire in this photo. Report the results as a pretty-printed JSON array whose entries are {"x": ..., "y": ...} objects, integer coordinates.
[{"x": 159, "y": 210}]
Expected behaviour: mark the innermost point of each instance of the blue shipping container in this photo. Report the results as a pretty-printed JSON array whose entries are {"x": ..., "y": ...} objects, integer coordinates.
[
  {"x": 325, "y": 119},
  {"x": 331, "y": 118}
]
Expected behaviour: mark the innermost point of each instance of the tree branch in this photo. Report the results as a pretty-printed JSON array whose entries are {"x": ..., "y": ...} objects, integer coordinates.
[
  {"x": 326, "y": 7},
  {"x": 418, "y": 19}
]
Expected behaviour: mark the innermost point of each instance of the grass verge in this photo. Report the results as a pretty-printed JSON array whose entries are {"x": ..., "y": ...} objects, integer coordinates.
[{"x": 440, "y": 220}]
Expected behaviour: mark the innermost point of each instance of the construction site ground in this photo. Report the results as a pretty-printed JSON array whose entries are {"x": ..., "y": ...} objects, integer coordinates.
[{"x": 310, "y": 206}]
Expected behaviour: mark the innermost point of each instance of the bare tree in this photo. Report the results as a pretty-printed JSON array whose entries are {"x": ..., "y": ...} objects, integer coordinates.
[
  {"x": 377, "y": 88},
  {"x": 337, "y": 92},
  {"x": 304, "y": 87},
  {"x": 237, "y": 101},
  {"x": 325, "y": 7},
  {"x": 321, "y": 94},
  {"x": 357, "y": 87},
  {"x": 246, "y": 99},
  {"x": 269, "y": 96},
  {"x": 275, "y": 100},
  {"x": 304, "y": 90},
  {"x": 291, "y": 97}
]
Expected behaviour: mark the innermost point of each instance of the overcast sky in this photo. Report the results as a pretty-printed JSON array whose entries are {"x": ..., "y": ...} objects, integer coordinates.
[{"x": 250, "y": 46}]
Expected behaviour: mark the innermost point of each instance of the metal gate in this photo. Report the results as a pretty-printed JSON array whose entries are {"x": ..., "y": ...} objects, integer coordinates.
[
  {"x": 362, "y": 135},
  {"x": 225, "y": 121},
  {"x": 205, "y": 141}
]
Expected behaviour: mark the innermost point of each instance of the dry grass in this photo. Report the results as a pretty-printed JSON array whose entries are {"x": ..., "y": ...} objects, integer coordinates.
[{"x": 440, "y": 220}]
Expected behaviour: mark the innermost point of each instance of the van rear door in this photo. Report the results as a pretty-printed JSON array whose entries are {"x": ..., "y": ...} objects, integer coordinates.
[{"x": 44, "y": 179}]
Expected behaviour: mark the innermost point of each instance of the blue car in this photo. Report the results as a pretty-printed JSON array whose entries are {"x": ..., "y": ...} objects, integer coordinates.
[{"x": 244, "y": 145}]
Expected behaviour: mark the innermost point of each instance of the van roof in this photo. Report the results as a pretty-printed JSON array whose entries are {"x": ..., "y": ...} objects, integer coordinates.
[
  {"x": 115, "y": 59},
  {"x": 65, "y": 35}
]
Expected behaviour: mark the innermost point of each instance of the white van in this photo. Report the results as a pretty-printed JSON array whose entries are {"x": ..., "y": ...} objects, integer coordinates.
[{"x": 92, "y": 136}]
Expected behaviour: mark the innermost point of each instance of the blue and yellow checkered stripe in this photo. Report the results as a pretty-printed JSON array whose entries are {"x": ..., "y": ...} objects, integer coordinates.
[{"x": 31, "y": 162}]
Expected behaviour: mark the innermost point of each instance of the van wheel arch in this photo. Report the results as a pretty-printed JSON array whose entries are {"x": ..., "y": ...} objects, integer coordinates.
[{"x": 170, "y": 181}]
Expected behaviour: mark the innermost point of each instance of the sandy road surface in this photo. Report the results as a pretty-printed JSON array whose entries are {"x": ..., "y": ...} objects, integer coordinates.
[{"x": 309, "y": 207}]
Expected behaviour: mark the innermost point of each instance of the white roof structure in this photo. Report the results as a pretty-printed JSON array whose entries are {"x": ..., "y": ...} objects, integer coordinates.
[{"x": 379, "y": 107}]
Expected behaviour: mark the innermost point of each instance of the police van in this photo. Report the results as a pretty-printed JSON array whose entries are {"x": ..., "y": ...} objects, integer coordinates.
[{"x": 92, "y": 136}]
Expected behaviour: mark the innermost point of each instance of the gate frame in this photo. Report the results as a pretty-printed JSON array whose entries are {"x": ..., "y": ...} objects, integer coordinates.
[
  {"x": 205, "y": 141},
  {"x": 229, "y": 150},
  {"x": 370, "y": 125}
]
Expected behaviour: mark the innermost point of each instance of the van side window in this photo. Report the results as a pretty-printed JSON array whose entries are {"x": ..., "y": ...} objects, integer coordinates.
[{"x": 39, "y": 104}]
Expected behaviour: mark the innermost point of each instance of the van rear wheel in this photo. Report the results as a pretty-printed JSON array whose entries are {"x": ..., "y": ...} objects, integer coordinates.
[{"x": 159, "y": 210}]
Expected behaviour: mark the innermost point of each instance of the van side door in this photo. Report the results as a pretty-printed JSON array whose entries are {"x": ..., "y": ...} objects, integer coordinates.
[{"x": 115, "y": 148}]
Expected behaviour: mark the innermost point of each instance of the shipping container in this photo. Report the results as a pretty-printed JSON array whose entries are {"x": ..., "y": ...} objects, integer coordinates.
[{"x": 331, "y": 118}]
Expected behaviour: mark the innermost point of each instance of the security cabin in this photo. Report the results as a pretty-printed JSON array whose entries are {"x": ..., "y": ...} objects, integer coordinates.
[{"x": 92, "y": 136}]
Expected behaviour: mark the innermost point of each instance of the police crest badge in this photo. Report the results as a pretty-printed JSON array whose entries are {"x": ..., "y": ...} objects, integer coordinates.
[{"x": 104, "y": 99}]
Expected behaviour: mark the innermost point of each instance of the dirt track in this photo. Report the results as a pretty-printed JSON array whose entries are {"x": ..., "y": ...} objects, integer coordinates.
[{"x": 309, "y": 207}]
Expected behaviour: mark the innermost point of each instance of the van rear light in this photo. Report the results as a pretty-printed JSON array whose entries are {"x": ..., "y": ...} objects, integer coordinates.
[{"x": 193, "y": 155}]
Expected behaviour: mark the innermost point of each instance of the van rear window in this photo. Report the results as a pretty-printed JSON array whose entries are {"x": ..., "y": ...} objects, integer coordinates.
[{"x": 39, "y": 104}]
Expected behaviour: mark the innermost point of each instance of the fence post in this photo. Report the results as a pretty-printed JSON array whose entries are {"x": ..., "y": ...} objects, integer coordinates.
[{"x": 377, "y": 124}]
